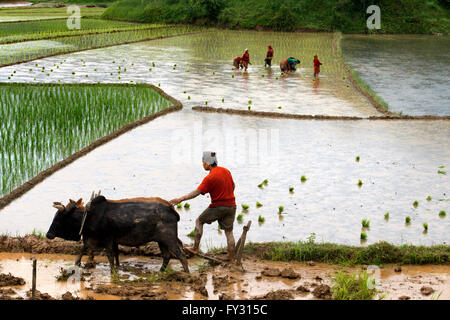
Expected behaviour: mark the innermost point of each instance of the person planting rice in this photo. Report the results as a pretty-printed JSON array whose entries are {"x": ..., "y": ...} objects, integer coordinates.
[
  {"x": 289, "y": 64},
  {"x": 317, "y": 64},
  {"x": 237, "y": 63},
  {"x": 220, "y": 185},
  {"x": 269, "y": 56},
  {"x": 246, "y": 59}
]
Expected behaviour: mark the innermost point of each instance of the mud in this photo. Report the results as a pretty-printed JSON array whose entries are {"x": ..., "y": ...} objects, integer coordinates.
[
  {"x": 10, "y": 280},
  {"x": 36, "y": 245},
  {"x": 137, "y": 279},
  {"x": 18, "y": 192}
]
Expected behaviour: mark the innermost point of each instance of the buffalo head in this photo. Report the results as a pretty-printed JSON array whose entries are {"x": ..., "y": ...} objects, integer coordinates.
[{"x": 67, "y": 221}]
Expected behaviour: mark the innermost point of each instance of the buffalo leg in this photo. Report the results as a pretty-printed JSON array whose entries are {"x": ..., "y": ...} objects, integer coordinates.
[
  {"x": 110, "y": 254},
  {"x": 116, "y": 254},
  {"x": 165, "y": 253},
  {"x": 178, "y": 253},
  {"x": 82, "y": 253}
]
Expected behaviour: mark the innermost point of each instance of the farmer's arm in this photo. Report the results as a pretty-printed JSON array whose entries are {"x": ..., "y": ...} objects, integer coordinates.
[{"x": 188, "y": 196}]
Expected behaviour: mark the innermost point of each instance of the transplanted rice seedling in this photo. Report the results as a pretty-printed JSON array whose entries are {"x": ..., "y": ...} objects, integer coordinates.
[
  {"x": 415, "y": 204},
  {"x": 429, "y": 198},
  {"x": 291, "y": 189},
  {"x": 280, "y": 209},
  {"x": 386, "y": 216},
  {"x": 408, "y": 219},
  {"x": 265, "y": 182},
  {"x": 258, "y": 204},
  {"x": 442, "y": 172},
  {"x": 425, "y": 226},
  {"x": 261, "y": 219},
  {"x": 187, "y": 205},
  {"x": 303, "y": 179},
  {"x": 363, "y": 236},
  {"x": 360, "y": 183},
  {"x": 191, "y": 234},
  {"x": 442, "y": 213},
  {"x": 240, "y": 218},
  {"x": 357, "y": 158},
  {"x": 244, "y": 207},
  {"x": 365, "y": 223}
]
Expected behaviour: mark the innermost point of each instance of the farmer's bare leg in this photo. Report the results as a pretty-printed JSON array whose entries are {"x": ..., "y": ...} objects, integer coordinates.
[
  {"x": 198, "y": 234},
  {"x": 231, "y": 244}
]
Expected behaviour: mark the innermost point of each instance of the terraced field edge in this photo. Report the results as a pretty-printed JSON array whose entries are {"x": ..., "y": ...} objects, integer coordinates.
[
  {"x": 357, "y": 82},
  {"x": 268, "y": 114}
]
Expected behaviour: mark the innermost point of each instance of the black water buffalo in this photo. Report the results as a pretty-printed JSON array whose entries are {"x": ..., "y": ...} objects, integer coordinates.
[{"x": 128, "y": 222}]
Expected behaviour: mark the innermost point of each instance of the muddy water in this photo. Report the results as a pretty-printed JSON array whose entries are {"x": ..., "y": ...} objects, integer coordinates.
[
  {"x": 201, "y": 65},
  {"x": 410, "y": 72},
  {"x": 399, "y": 164},
  {"x": 11, "y": 4},
  {"x": 221, "y": 280}
]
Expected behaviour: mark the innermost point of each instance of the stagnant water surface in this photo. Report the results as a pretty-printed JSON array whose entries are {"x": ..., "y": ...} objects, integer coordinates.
[
  {"x": 410, "y": 72},
  {"x": 398, "y": 164},
  {"x": 197, "y": 70}
]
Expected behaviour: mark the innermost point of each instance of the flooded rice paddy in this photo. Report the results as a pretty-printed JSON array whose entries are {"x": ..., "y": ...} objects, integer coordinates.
[
  {"x": 410, "y": 72},
  {"x": 399, "y": 160},
  {"x": 398, "y": 164},
  {"x": 197, "y": 69}
]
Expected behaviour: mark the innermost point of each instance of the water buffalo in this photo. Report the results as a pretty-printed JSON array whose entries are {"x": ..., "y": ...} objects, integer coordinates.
[{"x": 106, "y": 224}]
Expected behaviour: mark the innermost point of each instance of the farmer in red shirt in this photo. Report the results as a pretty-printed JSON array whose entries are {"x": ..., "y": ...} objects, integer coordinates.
[
  {"x": 246, "y": 59},
  {"x": 237, "y": 63},
  {"x": 220, "y": 185},
  {"x": 317, "y": 64}
]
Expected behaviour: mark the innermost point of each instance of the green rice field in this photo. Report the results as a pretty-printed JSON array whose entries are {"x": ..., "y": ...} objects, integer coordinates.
[
  {"x": 43, "y": 124},
  {"x": 29, "y": 50},
  {"x": 35, "y": 30},
  {"x": 27, "y": 14}
]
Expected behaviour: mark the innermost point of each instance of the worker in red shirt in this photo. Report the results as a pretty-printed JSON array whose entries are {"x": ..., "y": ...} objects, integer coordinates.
[
  {"x": 220, "y": 185},
  {"x": 317, "y": 65},
  {"x": 269, "y": 56},
  {"x": 246, "y": 59}
]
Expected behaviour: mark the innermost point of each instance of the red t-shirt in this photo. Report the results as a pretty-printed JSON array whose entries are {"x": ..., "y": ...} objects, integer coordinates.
[
  {"x": 246, "y": 57},
  {"x": 219, "y": 184}
]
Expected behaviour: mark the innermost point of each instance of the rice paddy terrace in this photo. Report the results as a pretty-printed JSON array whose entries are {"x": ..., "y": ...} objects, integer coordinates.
[{"x": 61, "y": 83}]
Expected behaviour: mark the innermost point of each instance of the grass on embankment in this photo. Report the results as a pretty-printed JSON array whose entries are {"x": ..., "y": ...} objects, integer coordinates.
[
  {"x": 374, "y": 254},
  {"x": 364, "y": 86},
  {"x": 43, "y": 124},
  {"x": 404, "y": 16}
]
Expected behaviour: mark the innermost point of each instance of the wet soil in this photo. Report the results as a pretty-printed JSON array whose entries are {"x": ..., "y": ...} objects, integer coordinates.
[
  {"x": 138, "y": 278},
  {"x": 36, "y": 245}
]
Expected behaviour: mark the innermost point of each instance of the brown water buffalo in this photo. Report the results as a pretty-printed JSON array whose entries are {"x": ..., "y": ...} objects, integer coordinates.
[{"x": 106, "y": 224}]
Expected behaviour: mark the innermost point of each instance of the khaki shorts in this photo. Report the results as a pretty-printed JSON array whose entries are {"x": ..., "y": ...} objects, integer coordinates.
[{"x": 224, "y": 215}]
